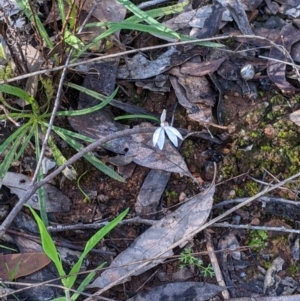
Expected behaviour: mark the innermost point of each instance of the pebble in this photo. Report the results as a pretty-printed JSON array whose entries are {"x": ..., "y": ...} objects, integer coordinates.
[
  {"x": 232, "y": 193},
  {"x": 182, "y": 197}
]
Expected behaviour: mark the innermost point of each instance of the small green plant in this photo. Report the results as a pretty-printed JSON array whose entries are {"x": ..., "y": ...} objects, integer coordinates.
[
  {"x": 188, "y": 259},
  {"x": 12, "y": 273},
  {"x": 36, "y": 123},
  {"x": 171, "y": 194},
  {"x": 257, "y": 239},
  {"x": 294, "y": 270},
  {"x": 49, "y": 248},
  {"x": 86, "y": 197}
]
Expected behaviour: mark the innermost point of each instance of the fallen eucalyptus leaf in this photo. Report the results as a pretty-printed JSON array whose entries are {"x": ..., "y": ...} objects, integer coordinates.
[
  {"x": 151, "y": 192},
  {"x": 276, "y": 71},
  {"x": 169, "y": 231},
  {"x": 18, "y": 184},
  {"x": 180, "y": 291}
]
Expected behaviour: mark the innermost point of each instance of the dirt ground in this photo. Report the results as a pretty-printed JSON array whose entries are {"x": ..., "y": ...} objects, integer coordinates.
[{"x": 251, "y": 140}]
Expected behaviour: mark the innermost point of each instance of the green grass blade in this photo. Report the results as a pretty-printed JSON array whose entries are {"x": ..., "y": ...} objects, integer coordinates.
[
  {"x": 141, "y": 116},
  {"x": 89, "y": 156},
  {"x": 26, "y": 141},
  {"x": 160, "y": 12},
  {"x": 70, "y": 133},
  {"x": 134, "y": 19},
  {"x": 206, "y": 44},
  {"x": 25, "y": 7},
  {"x": 105, "y": 101},
  {"x": 72, "y": 40},
  {"x": 143, "y": 28},
  {"x": 96, "y": 40},
  {"x": 102, "y": 167},
  {"x": 16, "y": 92},
  {"x": 154, "y": 30},
  {"x": 92, "y": 243},
  {"x": 148, "y": 19},
  {"x": 41, "y": 191},
  {"x": 86, "y": 281},
  {"x": 10, "y": 157},
  {"x": 20, "y": 132},
  {"x": 48, "y": 244},
  {"x": 21, "y": 94},
  {"x": 61, "y": 9}
]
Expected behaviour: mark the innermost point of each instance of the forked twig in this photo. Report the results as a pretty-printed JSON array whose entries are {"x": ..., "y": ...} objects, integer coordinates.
[{"x": 8, "y": 117}]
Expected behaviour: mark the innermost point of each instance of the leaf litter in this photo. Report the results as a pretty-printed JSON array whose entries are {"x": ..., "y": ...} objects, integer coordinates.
[
  {"x": 169, "y": 232},
  {"x": 186, "y": 68}
]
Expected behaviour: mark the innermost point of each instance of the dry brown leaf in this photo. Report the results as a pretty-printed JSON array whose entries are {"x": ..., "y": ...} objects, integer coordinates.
[
  {"x": 107, "y": 10},
  {"x": 276, "y": 71},
  {"x": 174, "y": 230},
  {"x": 180, "y": 291},
  {"x": 19, "y": 265},
  {"x": 201, "y": 68}
]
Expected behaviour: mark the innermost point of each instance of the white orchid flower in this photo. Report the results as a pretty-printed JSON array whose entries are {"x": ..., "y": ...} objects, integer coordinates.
[{"x": 159, "y": 134}]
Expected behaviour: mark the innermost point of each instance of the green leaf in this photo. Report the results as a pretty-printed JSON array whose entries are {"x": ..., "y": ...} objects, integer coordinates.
[
  {"x": 16, "y": 138},
  {"x": 20, "y": 132},
  {"x": 148, "y": 19},
  {"x": 34, "y": 18},
  {"x": 72, "y": 40},
  {"x": 160, "y": 12},
  {"x": 21, "y": 94},
  {"x": 60, "y": 159},
  {"x": 89, "y": 156},
  {"x": 26, "y": 141},
  {"x": 102, "y": 36},
  {"x": 70, "y": 133},
  {"x": 48, "y": 245},
  {"x": 61, "y": 9},
  {"x": 87, "y": 280},
  {"x": 105, "y": 101},
  {"x": 41, "y": 191},
  {"x": 48, "y": 87},
  {"x": 92, "y": 243},
  {"x": 151, "y": 29},
  {"x": 141, "y": 116},
  {"x": 16, "y": 92}
]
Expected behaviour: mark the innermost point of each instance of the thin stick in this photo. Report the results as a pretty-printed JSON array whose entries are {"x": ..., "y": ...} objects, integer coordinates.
[
  {"x": 219, "y": 38},
  {"x": 34, "y": 187},
  {"x": 8, "y": 117},
  {"x": 250, "y": 227},
  {"x": 215, "y": 264},
  {"x": 208, "y": 224}
]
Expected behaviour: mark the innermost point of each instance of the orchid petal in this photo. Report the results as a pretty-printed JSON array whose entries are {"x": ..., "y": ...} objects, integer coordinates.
[
  {"x": 163, "y": 116},
  {"x": 173, "y": 134},
  {"x": 159, "y": 138}
]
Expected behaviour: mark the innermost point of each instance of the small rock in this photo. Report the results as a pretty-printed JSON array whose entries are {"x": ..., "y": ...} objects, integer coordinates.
[
  {"x": 182, "y": 274},
  {"x": 4, "y": 209},
  {"x": 270, "y": 132},
  {"x": 232, "y": 193},
  {"x": 182, "y": 197},
  {"x": 255, "y": 222}
]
